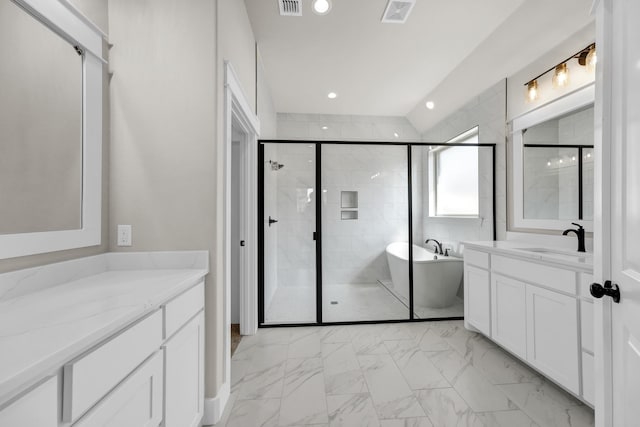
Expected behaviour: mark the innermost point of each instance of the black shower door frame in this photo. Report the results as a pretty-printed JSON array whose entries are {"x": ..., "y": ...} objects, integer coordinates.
[{"x": 318, "y": 234}]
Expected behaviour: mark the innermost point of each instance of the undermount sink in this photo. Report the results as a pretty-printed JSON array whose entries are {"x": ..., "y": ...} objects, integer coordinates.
[{"x": 557, "y": 253}]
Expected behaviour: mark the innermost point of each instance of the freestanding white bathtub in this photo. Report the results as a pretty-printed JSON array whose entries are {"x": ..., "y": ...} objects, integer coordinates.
[{"x": 436, "y": 278}]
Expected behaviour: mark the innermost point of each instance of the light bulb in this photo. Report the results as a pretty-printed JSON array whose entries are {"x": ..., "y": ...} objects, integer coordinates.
[
  {"x": 321, "y": 7},
  {"x": 430, "y": 105},
  {"x": 532, "y": 90},
  {"x": 592, "y": 59},
  {"x": 561, "y": 75}
]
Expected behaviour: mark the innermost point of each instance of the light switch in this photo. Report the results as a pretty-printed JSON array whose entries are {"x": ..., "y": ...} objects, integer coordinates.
[{"x": 124, "y": 235}]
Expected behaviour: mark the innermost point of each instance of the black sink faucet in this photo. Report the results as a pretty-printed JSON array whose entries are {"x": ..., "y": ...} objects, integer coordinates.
[
  {"x": 438, "y": 246},
  {"x": 580, "y": 233}
]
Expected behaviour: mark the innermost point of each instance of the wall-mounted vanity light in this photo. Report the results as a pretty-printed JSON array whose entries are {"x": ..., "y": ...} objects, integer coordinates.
[{"x": 586, "y": 57}]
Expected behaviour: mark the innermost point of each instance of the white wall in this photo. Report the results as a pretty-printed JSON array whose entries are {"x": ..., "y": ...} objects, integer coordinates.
[
  {"x": 266, "y": 110},
  {"x": 487, "y": 111},
  {"x": 345, "y": 128}
]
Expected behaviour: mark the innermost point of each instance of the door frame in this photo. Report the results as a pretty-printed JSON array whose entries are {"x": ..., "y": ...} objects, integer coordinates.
[
  {"x": 237, "y": 109},
  {"x": 603, "y": 167}
]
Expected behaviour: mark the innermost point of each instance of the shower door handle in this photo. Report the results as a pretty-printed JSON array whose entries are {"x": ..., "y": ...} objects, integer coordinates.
[
  {"x": 272, "y": 221},
  {"x": 315, "y": 236}
]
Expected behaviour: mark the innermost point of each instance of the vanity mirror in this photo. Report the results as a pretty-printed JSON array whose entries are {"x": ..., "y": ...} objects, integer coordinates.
[
  {"x": 553, "y": 159},
  {"x": 50, "y": 128}
]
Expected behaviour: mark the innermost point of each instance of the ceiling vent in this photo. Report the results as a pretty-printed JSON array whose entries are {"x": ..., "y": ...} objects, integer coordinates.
[
  {"x": 397, "y": 11},
  {"x": 290, "y": 7}
]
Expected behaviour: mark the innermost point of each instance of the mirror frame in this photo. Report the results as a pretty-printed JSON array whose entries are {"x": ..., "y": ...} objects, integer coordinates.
[
  {"x": 578, "y": 99},
  {"x": 73, "y": 26}
]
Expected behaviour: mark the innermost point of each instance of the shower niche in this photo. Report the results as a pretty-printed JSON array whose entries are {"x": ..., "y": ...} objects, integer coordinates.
[
  {"x": 349, "y": 205},
  {"x": 340, "y": 207}
]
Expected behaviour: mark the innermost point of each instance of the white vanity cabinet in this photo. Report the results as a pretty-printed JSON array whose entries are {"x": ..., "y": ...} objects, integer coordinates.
[
  {"x": 184, "y": 360},
  {"x": 508, "y": 313},
  {"x": 539, "y": 310},
  {"x": 477, "y": 291}
]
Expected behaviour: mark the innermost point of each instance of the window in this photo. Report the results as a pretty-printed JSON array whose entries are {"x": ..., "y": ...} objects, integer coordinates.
[{"x": 454, "y": 177}]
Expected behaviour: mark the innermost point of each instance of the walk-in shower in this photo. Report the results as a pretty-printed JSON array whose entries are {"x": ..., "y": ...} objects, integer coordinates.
[{"x": 340, "y": 206}]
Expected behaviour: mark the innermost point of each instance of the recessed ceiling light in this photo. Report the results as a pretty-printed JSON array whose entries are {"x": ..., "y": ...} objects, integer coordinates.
[
  {"x": 325, "y": 127},
  {"x": 396, "y": 135},
  {"x": 321, "y": 7},
  {"x": 332, "y": 95},
  {"x": 430, "y": 105}
]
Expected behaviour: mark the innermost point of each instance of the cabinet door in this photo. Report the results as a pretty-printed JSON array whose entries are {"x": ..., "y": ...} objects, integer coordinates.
[
  {"x": 477, "y": 298},
  {"x": 136, "y": 402},
  {"x": 552, "y": 336},
  {"x": 509, "y": 318},
  {"x": 184, "y": 380},
  {"x": 39, "y": 408}
]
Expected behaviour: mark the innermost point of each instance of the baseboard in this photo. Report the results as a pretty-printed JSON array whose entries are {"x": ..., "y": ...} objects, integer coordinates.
[{"x": 214, "y": 407}]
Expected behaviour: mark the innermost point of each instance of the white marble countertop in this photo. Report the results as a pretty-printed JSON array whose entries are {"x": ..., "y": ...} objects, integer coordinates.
[
  {"x": 558, "y": 257},
  {"x": 43, "y": 329}
]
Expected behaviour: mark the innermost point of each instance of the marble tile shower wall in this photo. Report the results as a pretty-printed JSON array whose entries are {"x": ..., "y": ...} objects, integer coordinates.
[
  {"x": 295, "y": 204},
  {"x": 488, "y": 112},
  {"x": 354, "y": 250},
  {"x": 345, "y": 128}
]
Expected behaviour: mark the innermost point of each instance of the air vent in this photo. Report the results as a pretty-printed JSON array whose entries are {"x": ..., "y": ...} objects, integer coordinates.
[
  {"x": 397, "y": 11},
  {"x": 290, "y": 7}
]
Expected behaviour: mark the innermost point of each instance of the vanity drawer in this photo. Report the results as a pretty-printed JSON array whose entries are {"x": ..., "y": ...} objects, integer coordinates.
[
  {"x": 90, "y": 377},
  {"x": 39, "y": 407},
  {"x": 544, "y": 275},
  {"x": 137, "y": 401},
  {"x": 477, "y": 258},
  {"x": 587, "y": 325},
  {"x": 178, "y": 311}
]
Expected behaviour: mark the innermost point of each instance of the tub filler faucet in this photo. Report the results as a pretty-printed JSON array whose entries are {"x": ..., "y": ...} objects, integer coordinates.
[{"x": 437, "y": 246}]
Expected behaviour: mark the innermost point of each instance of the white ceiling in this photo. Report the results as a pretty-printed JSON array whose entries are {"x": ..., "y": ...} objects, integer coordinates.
[{"x": 389, "y": 69}]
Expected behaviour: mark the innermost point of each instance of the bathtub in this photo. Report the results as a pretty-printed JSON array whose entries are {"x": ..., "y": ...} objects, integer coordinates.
[{"x": 436, "y": 278}]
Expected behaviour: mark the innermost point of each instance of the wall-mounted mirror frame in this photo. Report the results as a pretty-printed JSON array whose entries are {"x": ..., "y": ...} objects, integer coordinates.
[
  {"x": 70, "y": 24},
  {"x": 574, "y": 101}
]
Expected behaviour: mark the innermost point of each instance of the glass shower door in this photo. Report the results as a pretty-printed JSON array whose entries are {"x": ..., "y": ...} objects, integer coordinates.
[
  {"x": 289, "y": 225},
  {"x": 364, "y": 232}
]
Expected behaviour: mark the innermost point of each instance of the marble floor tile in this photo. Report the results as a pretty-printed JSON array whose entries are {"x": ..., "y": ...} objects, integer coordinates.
[
  {"x": 417, "y": 369},
  {"x": 459, "y": 338},
  {"x": 501, "y": 368},
  {"x": 445, "y": 408},
  {"x": 475, "y": 389},
  {"x": 342, "y": 372},
  {"x": 254, "y": 413},
  {"x": 434, "y": 374},
  {"x": 352, "y": 410},
  {"x": 407, "y": 422},
  {"x": 304, "y": 343},
  {"x": 391, "y": 395},
  {"x": 334, "y": 334},
  {"x": 549, "y": 406},
  {"x": 303, "y": 397},
  {"x": 506, "y": 419},
  {"x": 366, "y": 341},
  {"x": 263, "y": 383},
  {"x": 239, "y": 369}
]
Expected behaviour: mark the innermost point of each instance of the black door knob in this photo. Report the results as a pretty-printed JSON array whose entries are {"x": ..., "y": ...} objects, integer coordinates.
[{"x": 598, "y": 291}]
